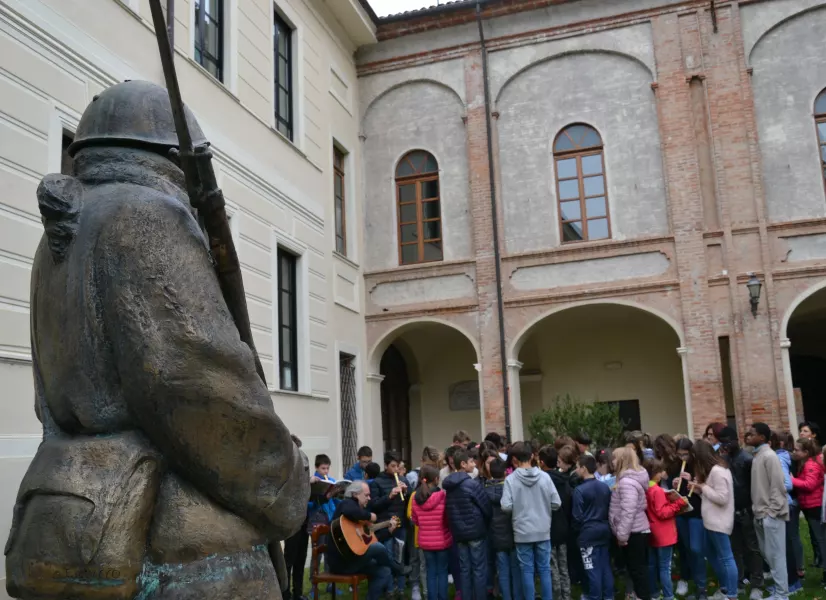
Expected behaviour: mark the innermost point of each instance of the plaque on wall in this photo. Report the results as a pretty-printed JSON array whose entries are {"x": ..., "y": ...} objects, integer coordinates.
[{"x": 464, "y": 395}]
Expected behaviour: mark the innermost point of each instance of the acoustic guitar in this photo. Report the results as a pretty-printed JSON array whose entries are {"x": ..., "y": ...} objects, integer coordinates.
[{"x": 353, "y": 538}]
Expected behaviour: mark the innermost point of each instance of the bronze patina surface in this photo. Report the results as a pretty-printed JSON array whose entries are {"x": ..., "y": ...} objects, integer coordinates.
[{"x": 164, "y": 472}]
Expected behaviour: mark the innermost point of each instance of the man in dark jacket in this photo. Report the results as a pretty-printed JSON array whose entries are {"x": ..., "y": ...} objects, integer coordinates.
[
  {"x": 500, "y": 536},
  {"x": 376, "y": 563},
  {"x": 592, "y": 499},
  {"x": 560, "y": 579},
  {"x": 567, "y": 473},
  {"x": 743, "y": 539},
  {"x": 468, "y": 513},
  {"x": 382, "y": 487}
]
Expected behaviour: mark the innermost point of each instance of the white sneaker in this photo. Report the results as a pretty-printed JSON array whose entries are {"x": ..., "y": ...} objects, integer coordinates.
[
  {"x": 682, "y": 588},
  {"x": 415, "y": 593},
  {"x": 718, "y": 595},
  {"x": 756, "y": 594}
]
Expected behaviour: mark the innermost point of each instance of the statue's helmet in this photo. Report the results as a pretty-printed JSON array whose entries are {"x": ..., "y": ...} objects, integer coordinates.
[{"x": 134, "y": 114}]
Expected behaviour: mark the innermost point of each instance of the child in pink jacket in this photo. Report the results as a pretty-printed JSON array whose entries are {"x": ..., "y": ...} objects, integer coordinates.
[{"x": 430, "y": 516}]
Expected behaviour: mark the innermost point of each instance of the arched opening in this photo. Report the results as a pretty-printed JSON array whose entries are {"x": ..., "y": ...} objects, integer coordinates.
[
  {"x": 606, "y": 353},
  {"x": 430, "y": 388},
  {"x": 806, "y": 331}
]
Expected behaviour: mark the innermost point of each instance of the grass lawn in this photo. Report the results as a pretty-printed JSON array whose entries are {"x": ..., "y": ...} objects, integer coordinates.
[{"x": 812, "y": 588}]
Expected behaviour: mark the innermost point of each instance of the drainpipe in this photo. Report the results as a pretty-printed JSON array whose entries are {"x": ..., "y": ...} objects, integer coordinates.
[
  {"x": 500, "y": 306},
  {"x": 170, "y": 23}
]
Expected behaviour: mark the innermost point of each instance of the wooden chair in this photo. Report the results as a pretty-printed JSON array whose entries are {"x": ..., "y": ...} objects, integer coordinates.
[{"x": 317, "y": 577}]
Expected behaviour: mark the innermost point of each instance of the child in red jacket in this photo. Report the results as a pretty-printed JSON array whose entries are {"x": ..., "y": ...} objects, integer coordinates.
[
  {"x": 662, "y": 510},
  {"x": 430, "y": 516},
  {"x": 809, "y": 487}
]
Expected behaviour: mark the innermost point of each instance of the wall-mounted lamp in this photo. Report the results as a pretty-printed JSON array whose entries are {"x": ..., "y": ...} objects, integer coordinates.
[{"x": 754, "y": 286}]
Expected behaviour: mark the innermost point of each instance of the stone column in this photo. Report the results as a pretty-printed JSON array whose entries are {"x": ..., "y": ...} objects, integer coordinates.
[
  {"x": 788, "y": 384},
  {"x": 683, "y": 352},
  {"x": 517, "y": 429},
  {"x": 371, "y": 415}
]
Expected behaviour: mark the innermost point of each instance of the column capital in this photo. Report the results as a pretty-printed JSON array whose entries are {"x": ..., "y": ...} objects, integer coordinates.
[
  {"x": 682, "y": 350},
  {"x": 515, "y": 364},
  {"x": 377, "y": 377},
  {"x": 785, "y": 343}
]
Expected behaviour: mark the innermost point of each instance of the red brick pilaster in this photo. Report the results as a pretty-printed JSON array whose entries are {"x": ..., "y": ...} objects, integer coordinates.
[
  {"x": 480, "y": 207},
  {"x": 686, "y": 211}
]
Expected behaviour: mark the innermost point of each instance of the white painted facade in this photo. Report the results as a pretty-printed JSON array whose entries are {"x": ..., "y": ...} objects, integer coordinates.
[{"x": 55, "y": 55}]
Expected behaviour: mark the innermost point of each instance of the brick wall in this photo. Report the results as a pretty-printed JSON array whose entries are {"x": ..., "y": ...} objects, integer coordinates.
[{"x": 710, "y": 115}]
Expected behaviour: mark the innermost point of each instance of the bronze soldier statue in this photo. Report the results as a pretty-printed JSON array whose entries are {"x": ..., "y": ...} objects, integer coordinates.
[{"x": 164, "y": 472}]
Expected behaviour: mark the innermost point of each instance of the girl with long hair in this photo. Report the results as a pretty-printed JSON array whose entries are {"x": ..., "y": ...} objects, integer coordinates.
[
  {"x": 628, "y": 520},
  {"x": 691, "y": 535},
  {"x": 713, "y": 482},
  {"x": 712, "y": 431},
  {"x": 665, "y": 450},
  {"x": 809, "y": 487},
  {"x": 429, "y": 515}
]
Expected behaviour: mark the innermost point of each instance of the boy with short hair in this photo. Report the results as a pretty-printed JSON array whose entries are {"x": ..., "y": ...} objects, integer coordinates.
[
  {"x": 583, "y": 442},
  {"x": 356, "y": 472},
  {"x": 560, "y": 580},
  {"x": 321, "y": 507},
  {"x": 468, "y": 512},
  {"x": 372, "y": 471},
  {"x": 530, "y": 496},
  {"x": 382, "y": 487},
  {"x": 590, "y": 517},
  {"x": 501, "y": 534}
]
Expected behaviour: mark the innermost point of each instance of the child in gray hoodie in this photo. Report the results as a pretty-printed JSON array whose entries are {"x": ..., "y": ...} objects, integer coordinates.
[{"x": 530, "y": 496}]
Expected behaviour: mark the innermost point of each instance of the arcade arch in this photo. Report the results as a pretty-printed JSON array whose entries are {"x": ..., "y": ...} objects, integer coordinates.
[
  {"x": 603, "y": 352},
  {"x": 429, "y": 388},
  {"x": 804, "y": 355}
]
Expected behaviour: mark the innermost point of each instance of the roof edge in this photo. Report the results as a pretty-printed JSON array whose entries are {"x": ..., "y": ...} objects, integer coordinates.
[{"x": 431, "y": 11}]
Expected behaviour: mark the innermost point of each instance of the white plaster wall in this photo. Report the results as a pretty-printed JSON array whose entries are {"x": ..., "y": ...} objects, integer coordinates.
[
  {"x": 571, "y": 350},
  {"x": 416, "y": 115},
  {"x": 784, "y": 95},
  {"x": 615, "y": 268},
  {"x": 607, "y": 91},
  {"x": 56, "y": 54}
]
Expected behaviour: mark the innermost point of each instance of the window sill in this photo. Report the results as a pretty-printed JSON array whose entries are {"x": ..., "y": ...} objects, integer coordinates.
[
  {"x": 426, "y": 266},
  {"x": 133, "y": 10},
  {"x": 297, "y": 395},
  {"x": 343, "y": 258}
]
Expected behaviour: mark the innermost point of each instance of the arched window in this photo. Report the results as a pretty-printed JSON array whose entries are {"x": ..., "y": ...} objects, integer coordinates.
[
  {"x": 580, "y": 185},
  {"x": 820, "y": 123},
  {"x": 420, "y": 222}
]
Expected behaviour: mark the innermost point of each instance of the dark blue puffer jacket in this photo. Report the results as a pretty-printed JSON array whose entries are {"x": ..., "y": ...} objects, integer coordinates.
[{"x": 468, "y": 507}]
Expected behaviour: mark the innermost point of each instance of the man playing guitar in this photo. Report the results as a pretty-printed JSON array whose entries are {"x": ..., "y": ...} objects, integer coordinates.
[{"x": 376, "y": 562}]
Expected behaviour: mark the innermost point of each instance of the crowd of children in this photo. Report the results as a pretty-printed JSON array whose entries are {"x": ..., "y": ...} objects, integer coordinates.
[{"x": 497, "y": 518}]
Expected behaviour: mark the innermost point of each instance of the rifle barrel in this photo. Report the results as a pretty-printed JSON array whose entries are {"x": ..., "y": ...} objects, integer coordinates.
[{"x": 171, "y": 78}]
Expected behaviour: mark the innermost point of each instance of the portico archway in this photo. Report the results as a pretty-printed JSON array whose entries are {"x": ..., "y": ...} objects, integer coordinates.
[
  {"x": 429, "y": 387},
  {"x": 804, "y": 349},
  {"x": 604, "y": 352}
]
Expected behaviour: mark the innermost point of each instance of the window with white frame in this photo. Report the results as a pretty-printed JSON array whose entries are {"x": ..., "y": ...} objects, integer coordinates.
[
  {"x": 209, "y": 36},
  {"x": 288, "y": 324},
  {"x": 340, "y": 200},
  {"x": 283, "y": 78}
]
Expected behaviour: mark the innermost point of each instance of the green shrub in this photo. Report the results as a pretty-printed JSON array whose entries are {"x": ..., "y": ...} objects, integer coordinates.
[{"x": 567, "y": 416}]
